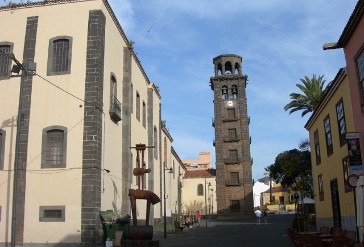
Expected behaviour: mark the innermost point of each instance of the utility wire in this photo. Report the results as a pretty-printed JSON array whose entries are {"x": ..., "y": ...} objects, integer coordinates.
[
  {"x": 26, "y": 69},
  {"x": 155, "y": 20}
]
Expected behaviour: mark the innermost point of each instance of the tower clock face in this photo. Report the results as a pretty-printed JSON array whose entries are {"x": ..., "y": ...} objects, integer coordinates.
[{"x": 230, "y": 103}]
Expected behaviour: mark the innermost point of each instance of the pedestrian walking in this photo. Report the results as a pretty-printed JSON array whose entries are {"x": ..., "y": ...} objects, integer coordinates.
[
  {"x": 258, "y": 214},
  {"x": 198, "y": 216},
  {"x": 265, "y": 215}
]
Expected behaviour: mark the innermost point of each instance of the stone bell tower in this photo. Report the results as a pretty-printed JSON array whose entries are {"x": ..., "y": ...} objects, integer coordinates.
[{"x": 234, "y": 185}]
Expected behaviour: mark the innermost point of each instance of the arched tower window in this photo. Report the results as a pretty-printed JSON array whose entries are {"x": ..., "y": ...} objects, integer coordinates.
[
  {"x": 234, "y": 91},
  {"x": 237, "y": 69},
  {"x": 200, "y": 190},
  {"x": 224, "y": 92},
  {"x": 219, "y": 69},
  {"x": 228, "y": 68}
]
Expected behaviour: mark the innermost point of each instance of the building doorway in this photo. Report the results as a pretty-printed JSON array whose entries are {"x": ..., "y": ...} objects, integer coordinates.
[{"x": 335, "y": 201}]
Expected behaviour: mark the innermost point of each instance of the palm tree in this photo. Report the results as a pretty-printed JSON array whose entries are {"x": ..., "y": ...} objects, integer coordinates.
[{"x": 313, "y": 91}]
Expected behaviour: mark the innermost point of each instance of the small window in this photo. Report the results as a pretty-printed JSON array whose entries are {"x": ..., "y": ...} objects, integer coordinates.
[
  {"x": 234, "y": 177},
  {"x": 233, "y": 154},
  {"x": 231, "y": 113},
  {"x": 232, "y": 134},
  {"x": 59, "y": 55},
  {"x": 200, "y": 190},
  {"x": 328, "y": 136},
  {"x": 52, "y": 214},
  {"x": 137, "y": 106},
  {"x": 2, "y": 148},
  {"x": 317, "y": 147},
  {"x": 360, "y": 71},
  {"x": 341, "y": 121},
  {"x": 5, "y": 61},
  {"x": 54, "y": 147}
]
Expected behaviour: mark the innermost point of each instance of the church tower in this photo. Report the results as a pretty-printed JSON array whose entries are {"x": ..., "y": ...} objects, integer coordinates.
[{"x": 234, "y": 185}]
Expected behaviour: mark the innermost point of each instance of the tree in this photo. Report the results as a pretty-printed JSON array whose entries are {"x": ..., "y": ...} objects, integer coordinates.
[
  {"x": 293, "y": 169},
  {"x": 313, "y": 91}
]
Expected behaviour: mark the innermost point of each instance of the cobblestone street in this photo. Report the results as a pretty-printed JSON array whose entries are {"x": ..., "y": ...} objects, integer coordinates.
[{"x": 233, "y": 233}]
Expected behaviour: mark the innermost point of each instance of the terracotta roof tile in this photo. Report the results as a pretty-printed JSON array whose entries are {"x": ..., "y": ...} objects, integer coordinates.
[{"x": 209, "y": 173}]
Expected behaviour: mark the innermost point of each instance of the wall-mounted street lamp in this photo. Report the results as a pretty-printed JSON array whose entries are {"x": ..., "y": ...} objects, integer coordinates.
[
  {"x": 206, "y": 185},
  {"x": 170, "y": 170},
  {"x": 208, "y": 196}
]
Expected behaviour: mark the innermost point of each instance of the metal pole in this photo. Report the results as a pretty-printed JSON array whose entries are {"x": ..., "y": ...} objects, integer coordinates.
[
  {"x": 165, "y": 209},
  {"x": 205, "y": 204},
  {"x": 270, "y": 189}
]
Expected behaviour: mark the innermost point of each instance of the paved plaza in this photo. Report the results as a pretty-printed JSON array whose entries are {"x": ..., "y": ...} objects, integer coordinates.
[{"x": 228, "y": 233}]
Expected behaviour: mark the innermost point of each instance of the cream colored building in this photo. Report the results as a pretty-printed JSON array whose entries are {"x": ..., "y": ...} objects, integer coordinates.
[
  {"x": 199, "y": 192},
  {"x": 85, "y": 102},
  {"x": 199, "y": 186}
]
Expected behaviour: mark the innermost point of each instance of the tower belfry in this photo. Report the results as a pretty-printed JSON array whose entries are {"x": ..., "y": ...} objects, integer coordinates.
[{"x": 234, "y": 187}]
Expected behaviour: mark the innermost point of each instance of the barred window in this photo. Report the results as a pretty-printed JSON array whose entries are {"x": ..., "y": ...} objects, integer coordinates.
[
  {"x": 5, "y": 61},
  {"x": 341, "y": 121},
  {"x": 200, "y": 190},
  {"x": 54, "y": 147},
  {"x": 59, "y": 55},
  {"x": 328, "y": 136},
  {"x": 360, "y": 69},
  {"x": 317, "y": 147},
  {"x": 52, "y": 214}
]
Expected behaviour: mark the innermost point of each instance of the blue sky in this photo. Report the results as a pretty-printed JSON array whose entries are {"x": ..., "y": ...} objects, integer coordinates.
[{"x": 280, "y": 42}]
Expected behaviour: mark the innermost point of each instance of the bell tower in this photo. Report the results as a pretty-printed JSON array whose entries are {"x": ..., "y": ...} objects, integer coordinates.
[{"x": 234, "y": 186}]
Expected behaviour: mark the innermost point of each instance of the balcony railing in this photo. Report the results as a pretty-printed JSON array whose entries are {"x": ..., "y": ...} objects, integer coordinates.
[{"x": 115, "y": 109}]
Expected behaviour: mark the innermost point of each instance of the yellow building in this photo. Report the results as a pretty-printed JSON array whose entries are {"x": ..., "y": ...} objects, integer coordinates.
[
  {"x": 327, "y": 128},
  {"x": 278, "y": 198},
  {"x": 84, "y": 101}
]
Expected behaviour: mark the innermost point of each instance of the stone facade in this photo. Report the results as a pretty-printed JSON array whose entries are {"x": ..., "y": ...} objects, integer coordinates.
[{"x": 234, "y": 188}]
